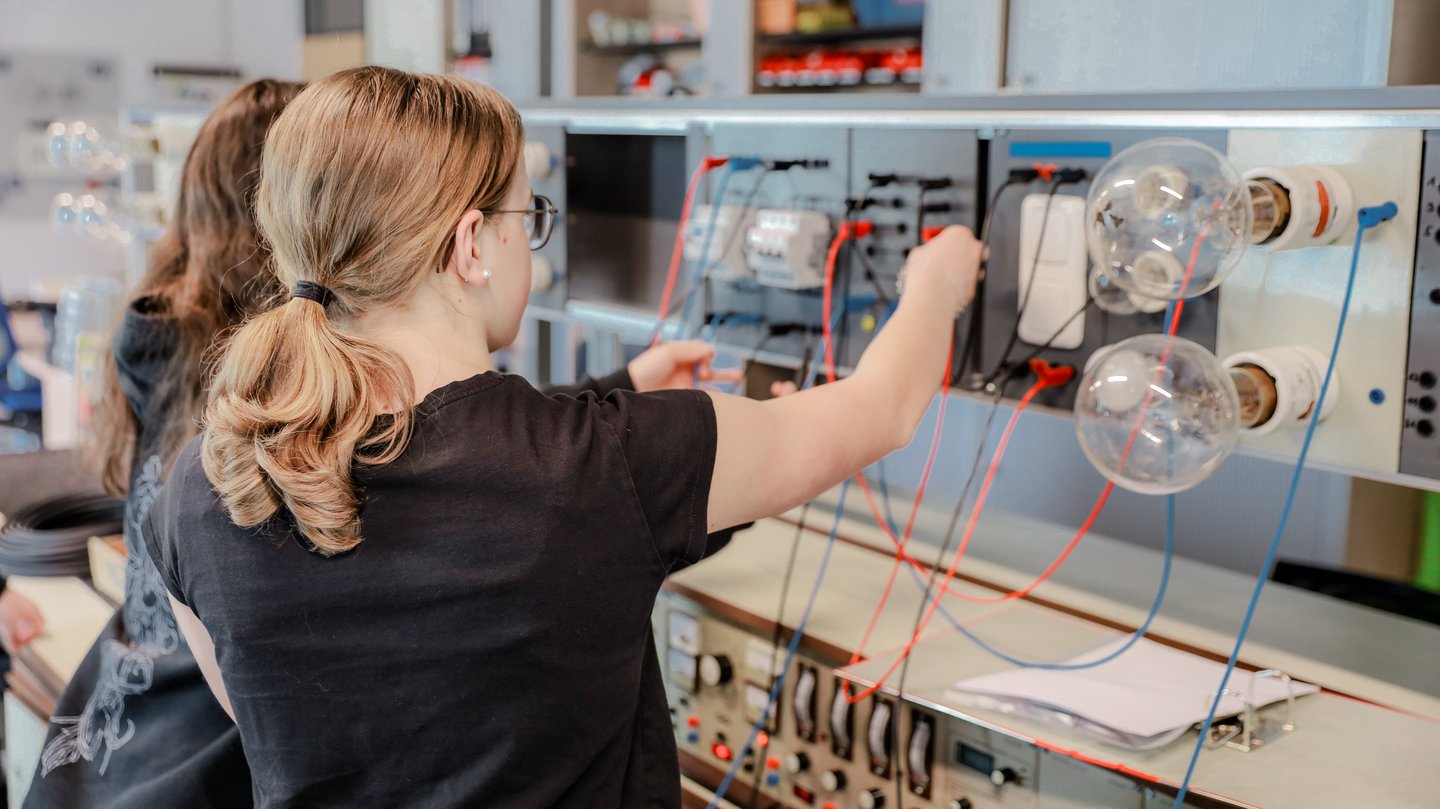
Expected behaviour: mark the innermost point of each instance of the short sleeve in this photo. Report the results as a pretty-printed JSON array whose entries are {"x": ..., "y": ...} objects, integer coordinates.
[
  {"x": 158, "y": 536},
  {"x": 162, "y": 556},
  {"x": 601, "y": 387},
  {"x": 668, "y": 439}
]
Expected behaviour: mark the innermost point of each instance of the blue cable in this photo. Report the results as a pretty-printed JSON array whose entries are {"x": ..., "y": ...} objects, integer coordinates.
[
  {"x": 1368, "y": 218},
  {"x": 1134, "y": 638},
  {"x": 697, "y": 275},
  {"x": 789, "y": 654}
]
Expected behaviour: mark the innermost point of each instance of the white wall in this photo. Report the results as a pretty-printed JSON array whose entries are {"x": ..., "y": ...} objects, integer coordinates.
[
  {"x": 259, "y": 37},
  {"x": 406, "y": 34},
  {"x": 1100, "y": 46}
]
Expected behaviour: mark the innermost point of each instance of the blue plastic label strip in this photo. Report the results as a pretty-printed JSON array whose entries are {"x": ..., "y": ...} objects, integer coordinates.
[{"x": 1060, "y": 148}]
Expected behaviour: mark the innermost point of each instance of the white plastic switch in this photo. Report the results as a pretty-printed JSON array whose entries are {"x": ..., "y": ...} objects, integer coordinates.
[
  {"x": 725, "y": 259},
  {"x": 1061, "y": 283},
  {"x": 787, "y": 248}
]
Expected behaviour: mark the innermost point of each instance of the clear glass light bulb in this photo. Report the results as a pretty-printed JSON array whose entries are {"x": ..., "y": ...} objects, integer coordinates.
[
  {"x": 1168, "y": 218},
  {"x": 1108, "y": 295},
  {"x": 1156, "y": 414}
]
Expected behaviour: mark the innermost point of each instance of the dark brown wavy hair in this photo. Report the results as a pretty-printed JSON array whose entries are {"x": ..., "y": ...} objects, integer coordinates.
[{"x": 209, "y": 271}]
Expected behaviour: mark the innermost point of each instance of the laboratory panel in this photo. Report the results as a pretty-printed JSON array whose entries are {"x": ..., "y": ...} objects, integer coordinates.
[
  {"x": 905, "y": 184},
  {"x": 1042, "y": 295},
  {"x": 1281, "y": 305},
  {"x": 789, "y": 185},
  {"x": 832, "y": 739}
]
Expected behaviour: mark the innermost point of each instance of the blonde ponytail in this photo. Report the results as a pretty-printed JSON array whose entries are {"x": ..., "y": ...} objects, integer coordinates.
[
  {"x": 363, "y": 179},
  {"x": 293, "y": 405}
]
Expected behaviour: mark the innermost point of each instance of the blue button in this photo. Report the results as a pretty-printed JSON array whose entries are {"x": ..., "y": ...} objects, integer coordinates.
[
  {"x": 693, "y": 737},
  {"x": 772, "y": 780}
]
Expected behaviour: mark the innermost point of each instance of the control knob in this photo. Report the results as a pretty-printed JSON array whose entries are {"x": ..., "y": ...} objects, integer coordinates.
[
  {"x": 796, "y": 763},
  {"x": 871, "y": 799},
  {"x": 962, "y": 803},
  {"x": 1000, "y": 776},
  {"x": 715, "y": 670},
  {"x": 833, "y": 780}
]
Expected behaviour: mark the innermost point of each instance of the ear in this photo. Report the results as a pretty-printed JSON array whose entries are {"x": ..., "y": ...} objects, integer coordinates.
[{"x": 463, "y": 258}]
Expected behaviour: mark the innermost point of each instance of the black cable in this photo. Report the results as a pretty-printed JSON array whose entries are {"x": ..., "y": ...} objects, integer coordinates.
[
  {"x": 971, "y": 343},
  {"x": 775, "y": 643},
  {"x": 51, "y": 538},
  {"x": 1025, "y": 360},
  {"x": 939, "y": 563},
  {"x": 1029, "y": 285}
]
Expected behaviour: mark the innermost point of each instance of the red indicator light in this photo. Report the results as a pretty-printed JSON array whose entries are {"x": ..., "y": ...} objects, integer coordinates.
[
  {"x": 762, "y": 740},
  {"x": 721, "y": 751}
]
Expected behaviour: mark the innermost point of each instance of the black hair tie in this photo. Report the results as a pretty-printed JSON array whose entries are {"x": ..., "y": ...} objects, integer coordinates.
[{"x": 311, "y": 291}]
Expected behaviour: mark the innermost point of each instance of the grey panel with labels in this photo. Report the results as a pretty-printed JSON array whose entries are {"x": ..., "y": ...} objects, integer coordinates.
[{"x": 1419, "y": 443}]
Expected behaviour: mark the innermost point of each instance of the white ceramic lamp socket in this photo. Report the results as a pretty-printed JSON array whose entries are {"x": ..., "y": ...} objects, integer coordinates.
[
  {"x": 1279, "y": 387},
  {"x": 1299, "y": 206}
]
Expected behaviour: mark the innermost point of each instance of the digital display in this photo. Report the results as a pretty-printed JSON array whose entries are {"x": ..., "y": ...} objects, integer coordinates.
[{"x": 977, "y": 760}]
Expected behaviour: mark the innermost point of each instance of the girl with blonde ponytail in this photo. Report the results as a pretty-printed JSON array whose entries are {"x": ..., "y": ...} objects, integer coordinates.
[{"x": 406, "y": 573}]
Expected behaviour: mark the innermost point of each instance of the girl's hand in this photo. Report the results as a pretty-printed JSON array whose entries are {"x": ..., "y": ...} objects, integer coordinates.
[
  {"x": 20, "y": 621},
  {"x": 678, "y": 365}
]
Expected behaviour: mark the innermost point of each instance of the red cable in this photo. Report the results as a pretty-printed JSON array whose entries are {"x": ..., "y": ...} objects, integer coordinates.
[
  {"x": 706, "y": 165},
  {"x": 847, "y": 231},
  {"x": 1100, "y": 502},
  {"x": 964, "y": 544}
]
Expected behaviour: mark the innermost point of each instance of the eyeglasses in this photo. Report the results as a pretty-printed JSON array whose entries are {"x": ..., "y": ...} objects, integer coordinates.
[{"x": 539, "y": 220}]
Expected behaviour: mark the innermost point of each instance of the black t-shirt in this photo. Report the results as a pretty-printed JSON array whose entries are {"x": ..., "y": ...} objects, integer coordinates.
[{"x": 488, "y": 643}]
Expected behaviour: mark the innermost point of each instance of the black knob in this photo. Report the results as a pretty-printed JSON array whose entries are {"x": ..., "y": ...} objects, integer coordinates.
[
  {"x": 833, "y": 780},
  {"x": 1002, "y": 776},
  {"x": 797, "y": 763},
  {"x": 962, "y": 803},
  {"x": 871, "y": 799},
  {"x": 715, "y": 670}
]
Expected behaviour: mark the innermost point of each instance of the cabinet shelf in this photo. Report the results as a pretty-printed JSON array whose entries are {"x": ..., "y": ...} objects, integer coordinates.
[{"x": 841, "y": 36}]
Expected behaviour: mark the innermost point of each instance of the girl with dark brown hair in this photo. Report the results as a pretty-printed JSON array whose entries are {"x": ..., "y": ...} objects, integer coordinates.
[{"x": 137, "y": 726}]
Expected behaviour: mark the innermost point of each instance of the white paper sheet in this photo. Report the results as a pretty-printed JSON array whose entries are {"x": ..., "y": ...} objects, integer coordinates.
[{"x": 1149, "y": 692}]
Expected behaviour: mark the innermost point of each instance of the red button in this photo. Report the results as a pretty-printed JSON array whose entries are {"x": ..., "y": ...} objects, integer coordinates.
[
  {"x": 693, "y": 721},
  {"x": 830, "y": 805},
  {"x": 721, "y": 751},
  {"x": 773, "y": 763}
]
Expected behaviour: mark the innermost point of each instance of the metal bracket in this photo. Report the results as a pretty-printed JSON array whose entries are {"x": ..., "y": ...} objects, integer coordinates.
[{"x": 1248, "y": 730}]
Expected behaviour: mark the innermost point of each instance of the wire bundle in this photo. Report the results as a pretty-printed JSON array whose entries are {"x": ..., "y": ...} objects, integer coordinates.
[{"x": 51, "y": 538}]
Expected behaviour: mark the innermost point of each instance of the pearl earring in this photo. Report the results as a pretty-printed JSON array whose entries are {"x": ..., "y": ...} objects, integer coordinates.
[{"x": 485, "y": 274}]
